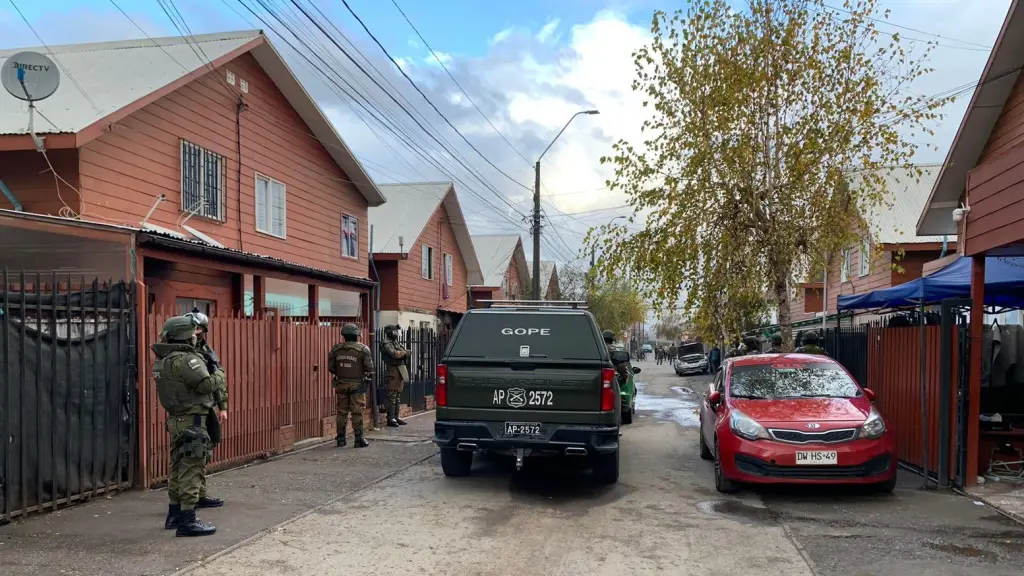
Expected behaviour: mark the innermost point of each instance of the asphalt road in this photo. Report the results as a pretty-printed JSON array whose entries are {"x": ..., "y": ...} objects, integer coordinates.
[{"x": 663, "y": 517}]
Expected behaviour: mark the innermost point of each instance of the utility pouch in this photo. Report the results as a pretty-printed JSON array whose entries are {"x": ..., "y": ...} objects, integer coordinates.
[{"x": 195, "y": 443}]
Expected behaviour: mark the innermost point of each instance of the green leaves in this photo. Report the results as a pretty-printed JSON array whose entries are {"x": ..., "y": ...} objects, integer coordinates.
[{"x": 768, "y": 133}]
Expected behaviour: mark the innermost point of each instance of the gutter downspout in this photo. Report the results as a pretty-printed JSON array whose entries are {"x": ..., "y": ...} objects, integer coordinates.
[
  {"x": 374, "y": 417},
  {"x": 10, "y": 197}
]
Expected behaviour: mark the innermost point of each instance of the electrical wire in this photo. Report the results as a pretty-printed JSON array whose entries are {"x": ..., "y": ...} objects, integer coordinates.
[{"x": 894, "y": 25}]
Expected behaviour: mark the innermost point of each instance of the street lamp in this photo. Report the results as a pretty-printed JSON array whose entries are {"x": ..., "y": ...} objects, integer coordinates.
[
  {"x": 536, "y": 206},
  {"x": 592, "y": 248}
]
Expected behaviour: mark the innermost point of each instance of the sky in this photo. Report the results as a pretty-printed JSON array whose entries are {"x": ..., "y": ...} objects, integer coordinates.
[{"x": 523, "y": 69}]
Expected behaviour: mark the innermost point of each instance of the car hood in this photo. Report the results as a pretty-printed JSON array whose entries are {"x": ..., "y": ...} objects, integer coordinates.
[{"x": 805, "y": 409}]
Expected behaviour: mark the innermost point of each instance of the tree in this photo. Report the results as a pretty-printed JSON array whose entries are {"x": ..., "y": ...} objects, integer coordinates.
[
  {"x": 572, "y": 281},
  {"x": 616, "y": 305},
  {"x": 670, "y": 327},
  {"x": 761, "y": 119}
]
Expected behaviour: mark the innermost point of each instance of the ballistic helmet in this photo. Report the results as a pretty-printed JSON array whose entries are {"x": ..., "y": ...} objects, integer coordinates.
[
  {"x": 350, "y": 329},
  {"x": 201, "y": 319},
  {"x": 608, "y": 335},
  {"x": 810, "y": 337},
  {"x": 777, "y": 339},
  {"x": 180, "y": 328}
]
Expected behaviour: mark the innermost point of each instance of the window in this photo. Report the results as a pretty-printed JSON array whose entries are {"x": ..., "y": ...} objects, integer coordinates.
[
  {"x": 349, "y": 237},
  {"x": 185, "y": 305},
  {"x": 865, "y": 257},
  {"x": 202, "y": 182},
  {"x": 427, "y": 262},
  {"x": 844, "y": 270},
  {"x": 448, "y": 272},
  {"x": 813, "y": 380},
  {"x": 270, "y": 206}
]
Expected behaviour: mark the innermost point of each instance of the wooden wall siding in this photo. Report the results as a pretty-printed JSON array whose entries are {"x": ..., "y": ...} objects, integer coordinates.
[
  {"x": 1009, "y": 129},
  {"x": 877, "y": 277},
  {"x": 387, "y": 277},
  {"x": 518, "y": 287},
  {"x": 421, "y": 295},
  {"x": 168, "y": 281},
  {"x": 27, "y": 176},
  {"x": 124, "y": 170},
  {"x": 912, "y": 264},
  {"x": 996, "y": 192}
]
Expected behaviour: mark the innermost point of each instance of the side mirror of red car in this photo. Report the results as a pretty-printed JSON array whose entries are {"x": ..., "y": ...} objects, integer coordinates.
[
  {"x": 870, "y": 395},
  {"x": 714, "y": 399}
]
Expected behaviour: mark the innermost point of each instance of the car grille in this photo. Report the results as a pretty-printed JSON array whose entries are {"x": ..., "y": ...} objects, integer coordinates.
[
  {"x": 757, "y": 467},
  {"x": 800, "y": 437}
]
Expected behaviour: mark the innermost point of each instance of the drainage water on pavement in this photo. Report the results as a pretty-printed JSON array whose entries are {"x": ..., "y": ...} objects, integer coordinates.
[
  {"x": 739, "y": 511},
  {"x": 681, "y": 408}
]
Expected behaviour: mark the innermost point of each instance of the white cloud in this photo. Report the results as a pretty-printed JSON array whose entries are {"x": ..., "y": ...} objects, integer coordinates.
[
  {"x": 502, "y": 35},
  {"x": 547, "y": 33},
  {"x": 445, "y": 59}
]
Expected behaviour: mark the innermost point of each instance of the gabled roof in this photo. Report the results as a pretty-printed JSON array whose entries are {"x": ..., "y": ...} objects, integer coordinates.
[
  {"x": 990, "y": 96},
  {"x": 547, "y": 271},
  {"x": 495, "y": 252},
  {"x": 896, "y": 224},
  {"x": 103, "y": 82},
  {"x": 406, "y": 214}
]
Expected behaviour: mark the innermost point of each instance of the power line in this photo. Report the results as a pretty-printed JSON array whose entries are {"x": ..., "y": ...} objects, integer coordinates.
[{"x": 908, "y": 28}]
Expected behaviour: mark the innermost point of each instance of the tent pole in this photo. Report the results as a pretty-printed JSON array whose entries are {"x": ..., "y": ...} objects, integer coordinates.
[{"x": 924, "y": 399}]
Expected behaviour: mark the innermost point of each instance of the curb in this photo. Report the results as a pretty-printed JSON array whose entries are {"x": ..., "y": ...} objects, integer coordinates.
[
  {"x": 988, "y": 502},
  {"x": 200, "y": 563},
  {"x": 800, "y": 549}
]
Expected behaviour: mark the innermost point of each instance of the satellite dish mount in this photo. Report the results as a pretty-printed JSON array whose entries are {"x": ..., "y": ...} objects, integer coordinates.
[{"x": 30, "y": 77}]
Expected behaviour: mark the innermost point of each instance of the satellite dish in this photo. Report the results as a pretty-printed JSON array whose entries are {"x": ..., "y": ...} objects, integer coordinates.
[{"x": 30, "y": 76}]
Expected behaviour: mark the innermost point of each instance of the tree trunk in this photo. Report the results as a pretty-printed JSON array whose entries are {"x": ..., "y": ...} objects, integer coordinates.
[{"x": 781, "y": 289}]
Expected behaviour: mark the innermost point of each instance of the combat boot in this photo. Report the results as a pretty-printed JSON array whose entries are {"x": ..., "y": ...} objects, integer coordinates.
[
  {"x": 398, "y": 411},
  {"x": 340, "y": 441},
  {"x": 173, "y": 511},
  {"x": 209, "y": 502},
  {"x": 360, "y": 443},
  {"x": 391, "y": 416},
  {"x": 190, "y": 525}
]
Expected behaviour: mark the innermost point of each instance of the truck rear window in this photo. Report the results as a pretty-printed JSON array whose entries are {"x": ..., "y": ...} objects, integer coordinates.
[{"x": 514, "y": 335}]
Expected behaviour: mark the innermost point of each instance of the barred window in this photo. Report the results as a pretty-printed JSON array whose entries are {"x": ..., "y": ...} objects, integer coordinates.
[{"x": 202, "y": 181}]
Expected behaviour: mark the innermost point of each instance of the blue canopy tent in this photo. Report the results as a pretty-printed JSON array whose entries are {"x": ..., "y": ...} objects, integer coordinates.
[{"x": 1004, "y": 287}]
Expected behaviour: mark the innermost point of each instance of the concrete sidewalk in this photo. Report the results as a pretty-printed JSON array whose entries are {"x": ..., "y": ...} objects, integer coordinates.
[{"x": 124, "y": 534}]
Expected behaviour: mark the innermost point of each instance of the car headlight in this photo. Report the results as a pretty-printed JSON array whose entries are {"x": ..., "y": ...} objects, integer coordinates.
[
  {"x": 746, "y": 427},
  {"x": 874, "y": 427}
]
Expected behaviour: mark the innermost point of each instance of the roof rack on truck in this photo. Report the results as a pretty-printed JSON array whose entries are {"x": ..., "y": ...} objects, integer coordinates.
[{"x": 574, "y": 304}]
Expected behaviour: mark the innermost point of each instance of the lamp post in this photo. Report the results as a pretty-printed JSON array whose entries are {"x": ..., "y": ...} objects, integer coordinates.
[{"x": 536, "y": 206}]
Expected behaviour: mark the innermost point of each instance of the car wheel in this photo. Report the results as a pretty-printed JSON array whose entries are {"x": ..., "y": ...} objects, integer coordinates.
[
  {"x": 886, "y": 487},
  {"x": 705, "y": 452},
  {"x": 455, "y": 462},
  {"x": 722, "y": 484},
  {"x": 627, "y": 416},
  {"x": 606, "y": 467}
]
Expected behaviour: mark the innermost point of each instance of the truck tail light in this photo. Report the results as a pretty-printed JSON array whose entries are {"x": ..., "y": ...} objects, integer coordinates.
[
  {"x": 441, "y": 386},
  {"x": 608, "y": 398}
]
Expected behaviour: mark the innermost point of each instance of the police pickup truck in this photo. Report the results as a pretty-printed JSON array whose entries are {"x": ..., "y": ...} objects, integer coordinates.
[{"x": 528, "y": 379}]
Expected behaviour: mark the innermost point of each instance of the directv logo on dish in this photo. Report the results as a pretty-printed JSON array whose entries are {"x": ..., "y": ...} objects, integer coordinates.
[{"x": 32, "y": 67}]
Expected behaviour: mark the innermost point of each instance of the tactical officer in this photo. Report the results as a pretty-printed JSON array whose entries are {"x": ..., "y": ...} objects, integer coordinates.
[
  {"x": 810, "y": 344},
  {"x": 776, "y": 347},
  {"x": 352, "y": 366},
  {"x": 218, "y": 414},
  {"x": 185, "y": 387},
  {"x": 753, "y": 345},
  {"x": 396, "y": 372},
  {"x": 622, "y": 368}
]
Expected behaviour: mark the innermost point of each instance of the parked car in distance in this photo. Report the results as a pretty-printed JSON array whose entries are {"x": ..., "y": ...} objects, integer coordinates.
[
  {"x": 528, "y": 379},
  {"x": 691, "y": 360},
  {"x": 627, "y": 389},
  {"x": 648, "y": 349},
  {"x": 794, "y": 418}
]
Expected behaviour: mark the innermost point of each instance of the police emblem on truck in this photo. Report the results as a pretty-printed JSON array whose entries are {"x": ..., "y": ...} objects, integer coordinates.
[{"x": 526, "y": 331}]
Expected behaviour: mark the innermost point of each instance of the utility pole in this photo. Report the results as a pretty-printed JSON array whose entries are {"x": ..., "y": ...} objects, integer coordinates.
[{"x": 536, "y": 207}]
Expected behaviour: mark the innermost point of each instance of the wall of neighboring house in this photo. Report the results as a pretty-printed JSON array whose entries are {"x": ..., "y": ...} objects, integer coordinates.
[
  {"x": 1009, "y": 129},
  {"x": 174, "y": 287},
  {"x": 420, "y": 278},
  {"x": 515, "y": 286},
  {"x": 29, "y": 178},
  {"x": 124, "y": 170}
]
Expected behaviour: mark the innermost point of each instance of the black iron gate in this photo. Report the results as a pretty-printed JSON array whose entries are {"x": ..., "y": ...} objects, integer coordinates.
[
  {"x": 66, "y": 392},
  {"x": 848, "y": 345},
  {"x": 426, "y": 348}
]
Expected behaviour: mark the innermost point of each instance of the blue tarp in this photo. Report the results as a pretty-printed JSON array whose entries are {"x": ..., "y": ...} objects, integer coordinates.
[{"x": 1004, "y": 287}]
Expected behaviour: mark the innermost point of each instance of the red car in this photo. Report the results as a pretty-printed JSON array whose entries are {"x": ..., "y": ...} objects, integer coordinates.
[{"x": 794, "y": 419}]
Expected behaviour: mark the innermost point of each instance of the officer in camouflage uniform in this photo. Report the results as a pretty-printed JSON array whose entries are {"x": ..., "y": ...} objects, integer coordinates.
[
  {"x": 185, "y": 387},
  {"x": 218, "y": 414},
  {"x": 810, "y": 344},
  {"x": 622, "y": 368},
  {"x": 395, "y": 356},
  {"x": 351, "y": 364},
  {"x": 776, "y": 347}
]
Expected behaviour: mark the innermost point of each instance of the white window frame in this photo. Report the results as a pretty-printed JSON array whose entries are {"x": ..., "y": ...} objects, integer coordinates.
[
  {"x": 215, "y": 213},
  {"x": 427, "y": 262},
  {"x": 356, "y": 220},
  {"x": 269, "y": 206},
  {"x": 844, "y": 268},
  {"x": 865, "y": 257},
  {"x": 449, "y": 269}
]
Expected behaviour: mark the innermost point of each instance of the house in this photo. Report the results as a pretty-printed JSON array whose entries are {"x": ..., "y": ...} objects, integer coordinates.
[
  {"x": 979, "y": 194},
  {"x": 549, "y": 286},
  {"x": 889, "y": 253},
  {"x": 203, "y": 165},
  {"x": 423, "y": 256},
  {"x": 506, "y": 275}
]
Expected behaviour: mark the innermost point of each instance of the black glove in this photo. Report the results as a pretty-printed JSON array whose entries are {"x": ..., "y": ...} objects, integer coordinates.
[{"x": 212, "y": 361}]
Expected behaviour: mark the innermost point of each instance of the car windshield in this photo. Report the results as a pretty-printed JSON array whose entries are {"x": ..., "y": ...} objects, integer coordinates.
[{"x": 769, "y": 381}]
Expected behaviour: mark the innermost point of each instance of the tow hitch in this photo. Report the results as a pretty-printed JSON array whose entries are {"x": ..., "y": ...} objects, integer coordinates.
[{"x": 520, "y": 454}]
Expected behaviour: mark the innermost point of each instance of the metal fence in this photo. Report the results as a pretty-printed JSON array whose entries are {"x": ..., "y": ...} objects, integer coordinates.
[
  {"x": 849, "y": 346},
  {"x": 67, "y": 406},
  {"x": 426, "y": 348}
]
